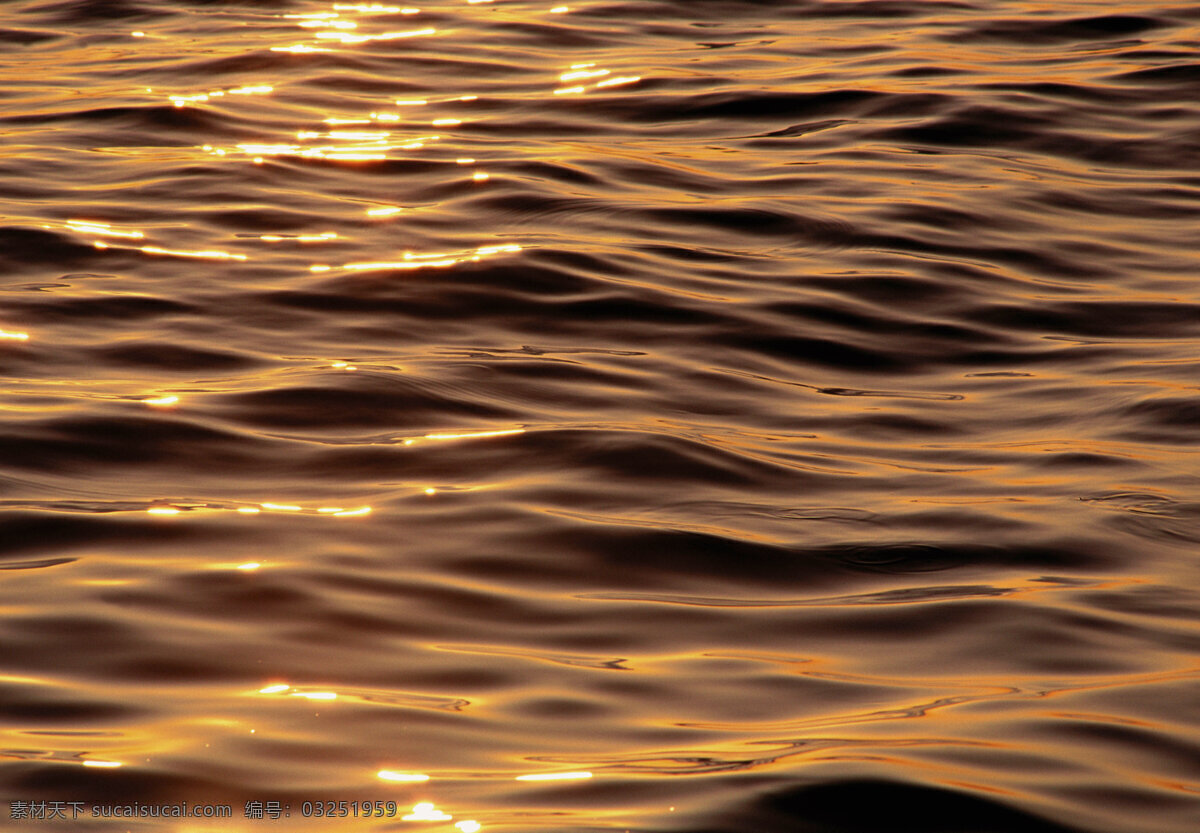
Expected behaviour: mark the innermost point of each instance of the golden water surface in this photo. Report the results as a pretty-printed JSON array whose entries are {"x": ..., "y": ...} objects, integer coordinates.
[{"x": 613, "y": 416}]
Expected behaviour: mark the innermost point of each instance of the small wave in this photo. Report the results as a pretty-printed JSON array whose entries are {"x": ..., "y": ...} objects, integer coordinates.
[
  {"x": 1073, "y": 30},
  {"x": 92, "y": 11}
]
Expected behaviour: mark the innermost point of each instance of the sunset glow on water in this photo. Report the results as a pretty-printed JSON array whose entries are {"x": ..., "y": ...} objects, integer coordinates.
[{"x": 710, "y": 417}]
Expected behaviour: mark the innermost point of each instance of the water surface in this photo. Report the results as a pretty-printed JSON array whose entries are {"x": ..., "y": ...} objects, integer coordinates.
[{"x": 782, "y": 416}]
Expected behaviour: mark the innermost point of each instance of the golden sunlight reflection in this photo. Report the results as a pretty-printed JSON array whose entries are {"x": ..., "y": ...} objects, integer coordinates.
[
  {"x": 473, "y": 435},
  {"x": 350, "y": 135},
  {"x": 463, "y": 435},
  {"x": 360, "y": 143},
  {"x": 172, "y": 509},
  {"x": 615, "y": 82},
  {"x": 586, "y": 72},
  {"x": 344, "y": 37},
  {"x": 14, "y": 335},
  {"x": 181, "y": 100},
  {"x": 299, "y": 48},
  {"x": 292, "y": 691},
  {"x": 95, "y": 227},
  {"x": 402, "y": 777},
  {"x": 426, "y": 811},
  {"x": 162, "y": 401},
  {"x": 333, "y": 26},
  {"x": 336, "y": 24},
  {"x": 103, "y": 764},
  {"x": 469, "y": 826},
  {"x": 210, "y": 255},
  {"x": 576, "y": 74},
  {"x": 106, "y": 229},
  {"x": 24, "y": 680},
  {"x": 315, "y": 695},
  {"x": 360, "y": 146},
  {"x": 555, "y": 776},
  {"x": 374, "y": 8},
  {"x": 421, "y": 102},
  {"x": 300, "y": 238},
  {"x": 414, "y": 261}
]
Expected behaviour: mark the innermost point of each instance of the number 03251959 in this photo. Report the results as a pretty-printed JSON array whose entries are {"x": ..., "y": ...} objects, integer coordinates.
[{"x": 349, "y": 809}]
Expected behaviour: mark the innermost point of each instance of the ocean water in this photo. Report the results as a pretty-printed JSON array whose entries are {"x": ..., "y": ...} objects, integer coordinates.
[{"x": 742, "y": 417}]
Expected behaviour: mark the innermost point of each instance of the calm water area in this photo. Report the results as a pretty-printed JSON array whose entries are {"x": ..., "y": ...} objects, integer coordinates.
[{"x": 664, "y": 416}]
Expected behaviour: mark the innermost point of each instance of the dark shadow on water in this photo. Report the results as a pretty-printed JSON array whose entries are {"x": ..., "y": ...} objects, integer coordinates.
[{"x": 877, "y": 806}]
